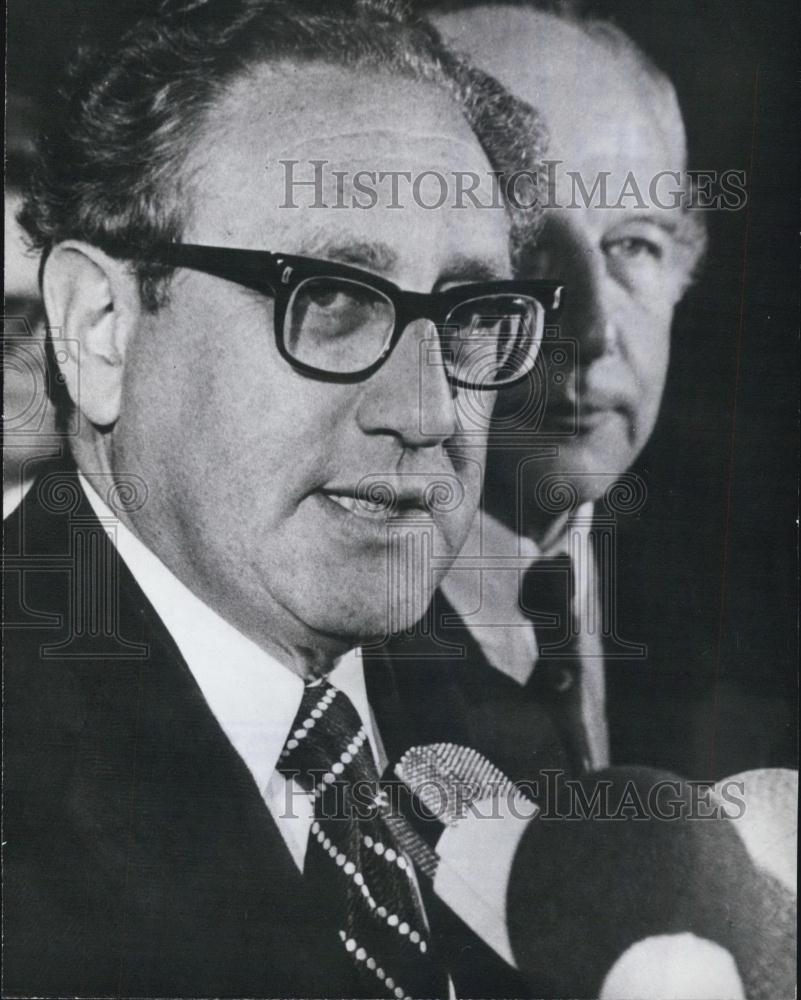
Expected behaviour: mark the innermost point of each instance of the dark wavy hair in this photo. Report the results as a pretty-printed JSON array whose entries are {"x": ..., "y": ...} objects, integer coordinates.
[{"x": 109, "y": 168}]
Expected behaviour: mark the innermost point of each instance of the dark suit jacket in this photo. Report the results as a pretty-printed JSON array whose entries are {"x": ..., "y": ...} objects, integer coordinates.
[
  {"x": 448, "y": 691},
  {"x": 141, "y": 859}
]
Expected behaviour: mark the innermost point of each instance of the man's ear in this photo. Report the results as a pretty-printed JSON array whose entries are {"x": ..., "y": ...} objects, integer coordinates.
[{"x": 94, "y": 301}]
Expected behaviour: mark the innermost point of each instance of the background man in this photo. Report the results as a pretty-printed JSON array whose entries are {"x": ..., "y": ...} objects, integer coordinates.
[
  {"x": 701, "y": 594},
  {"x": 179, "y": 654},
  {"x": 535, "y": 584}
]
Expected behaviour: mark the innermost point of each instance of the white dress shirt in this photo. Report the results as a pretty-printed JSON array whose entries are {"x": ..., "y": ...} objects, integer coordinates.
[
  {"x": 253, "y": 696},
  {"x": 483, "y": 586}
]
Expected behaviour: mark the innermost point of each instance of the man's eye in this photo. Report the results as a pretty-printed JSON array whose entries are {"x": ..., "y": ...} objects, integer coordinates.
[
  {"x": 327, "y": 297},
  {"x": 633, "y": 247}
]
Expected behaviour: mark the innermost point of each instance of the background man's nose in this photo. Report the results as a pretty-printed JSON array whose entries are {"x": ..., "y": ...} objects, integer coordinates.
[
  {"x": 566, "y": 254},
  {"x": 410, "y": 396},
  {"x": 588, "y": 317}
]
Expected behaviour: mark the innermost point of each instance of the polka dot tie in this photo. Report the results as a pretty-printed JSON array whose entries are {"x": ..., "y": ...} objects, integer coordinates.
[{"x": 354, "y": 866}]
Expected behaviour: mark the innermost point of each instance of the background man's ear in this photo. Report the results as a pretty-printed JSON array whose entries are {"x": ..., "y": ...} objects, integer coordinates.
[{"x": 93, "y": 300}]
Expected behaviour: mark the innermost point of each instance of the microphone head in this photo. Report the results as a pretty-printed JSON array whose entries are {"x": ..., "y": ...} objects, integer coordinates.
[
  {"x": 481, "y": 818},
  {"x": 448, "y": 779},
  {"x": 763, "y": 807},
  {"x": 673, "y": 967}
]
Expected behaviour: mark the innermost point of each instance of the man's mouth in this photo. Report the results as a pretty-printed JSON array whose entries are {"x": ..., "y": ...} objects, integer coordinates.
[
  {"x": 380, "y": 500},
  {"x": 414, "y": 496},
  {"x": 583, "y": 414},
  {"x": 361, "y": 506}
]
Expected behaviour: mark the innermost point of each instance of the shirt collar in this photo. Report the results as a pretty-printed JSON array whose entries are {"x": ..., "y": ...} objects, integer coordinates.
[
  {"x": 483, "y": 586},
  {"x": 15, "y": 494},
  {"x": 253, "y": 696}
]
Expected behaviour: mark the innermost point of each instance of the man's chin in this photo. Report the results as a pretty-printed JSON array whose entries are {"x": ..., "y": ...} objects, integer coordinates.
[
  {"x": 387, "y": 611},
  {"x": 585, "y": 469}
]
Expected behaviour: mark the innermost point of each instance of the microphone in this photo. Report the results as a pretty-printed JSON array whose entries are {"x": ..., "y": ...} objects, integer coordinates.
[
  {"x": 470, "y": 866},
  {"x": 617, "y": 885},
  {"x": 763, "y": 806}
]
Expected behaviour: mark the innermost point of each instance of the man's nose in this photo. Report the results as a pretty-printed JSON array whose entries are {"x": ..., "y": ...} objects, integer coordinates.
[
  {"x": 589, "y": 316},
  {"x": 410, "y": 397}
]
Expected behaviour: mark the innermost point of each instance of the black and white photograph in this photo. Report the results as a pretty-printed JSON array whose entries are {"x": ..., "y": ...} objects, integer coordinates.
[{"x": 400, "y": 499}]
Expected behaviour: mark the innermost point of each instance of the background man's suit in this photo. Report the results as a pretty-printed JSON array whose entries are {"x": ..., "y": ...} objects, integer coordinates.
[
  {"x": 501, "y": 692},
  {"x": 448, "y": 691}
]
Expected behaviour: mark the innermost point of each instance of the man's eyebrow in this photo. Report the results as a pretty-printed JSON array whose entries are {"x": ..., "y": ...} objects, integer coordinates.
[
  {"x": 466, "y": 268},
  {"x": 382, "y": 259},
  {"x": 371, "y": 256},
  {"x": 668, "y": 219}
]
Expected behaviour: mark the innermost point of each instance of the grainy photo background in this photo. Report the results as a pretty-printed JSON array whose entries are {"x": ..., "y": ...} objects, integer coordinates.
[{"x": 707, "y": 574}]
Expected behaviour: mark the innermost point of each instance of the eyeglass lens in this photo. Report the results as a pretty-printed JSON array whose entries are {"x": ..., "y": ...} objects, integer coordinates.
[
  {"x": 493, "y": 339},
  {"x": 341, "y": 326}
]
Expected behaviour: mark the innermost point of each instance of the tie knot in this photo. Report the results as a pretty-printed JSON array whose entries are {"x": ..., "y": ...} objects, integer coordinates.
[{"x": 327, "y": 741}]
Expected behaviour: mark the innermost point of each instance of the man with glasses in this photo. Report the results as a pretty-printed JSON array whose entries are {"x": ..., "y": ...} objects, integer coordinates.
[{"x": 265, "y": 398}]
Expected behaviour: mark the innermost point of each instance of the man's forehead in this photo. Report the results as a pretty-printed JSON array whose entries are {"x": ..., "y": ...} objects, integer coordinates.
[
  {"x": 279, "y": 164},
  {"x": 598, "y": 104},
  {"x": 439, "y": 145}
]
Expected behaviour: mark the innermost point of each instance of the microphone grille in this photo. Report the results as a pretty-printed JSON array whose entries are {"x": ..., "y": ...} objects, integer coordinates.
[{"x": 447, "y": 778}]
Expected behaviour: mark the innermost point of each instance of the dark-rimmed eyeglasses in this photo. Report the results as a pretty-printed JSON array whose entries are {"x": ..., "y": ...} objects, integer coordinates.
[{"x": 339, "y": 323}]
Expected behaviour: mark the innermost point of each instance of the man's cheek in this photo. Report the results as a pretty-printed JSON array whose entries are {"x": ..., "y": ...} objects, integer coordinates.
[
  {"x": 453, "y": 524},
  {"x": 473, "y": 411}
]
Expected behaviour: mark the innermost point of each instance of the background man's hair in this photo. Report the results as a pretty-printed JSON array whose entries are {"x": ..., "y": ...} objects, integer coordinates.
[
  {"x": 692, "y": 235},
  {"x": 110, "y": 166}
]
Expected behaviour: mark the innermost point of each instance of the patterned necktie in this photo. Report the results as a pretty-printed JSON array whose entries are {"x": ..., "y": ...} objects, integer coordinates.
[
  {"x": 547, "y": 597},
  {"x": 354, "y": 866}
]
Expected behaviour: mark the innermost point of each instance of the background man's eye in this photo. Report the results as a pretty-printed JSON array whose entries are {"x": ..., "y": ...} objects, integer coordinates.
[{"x": 631, "y": 247}]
